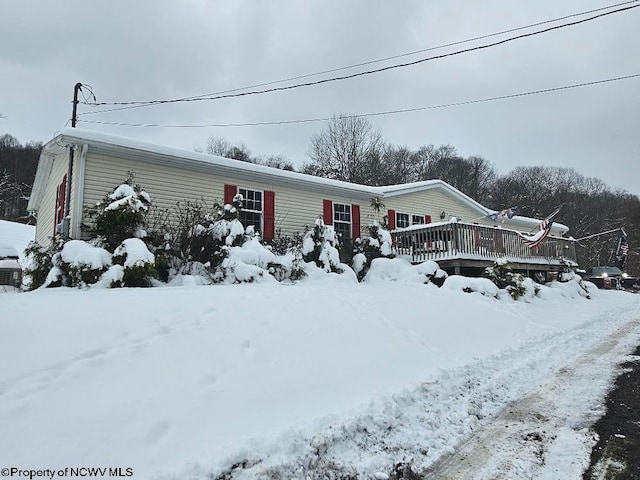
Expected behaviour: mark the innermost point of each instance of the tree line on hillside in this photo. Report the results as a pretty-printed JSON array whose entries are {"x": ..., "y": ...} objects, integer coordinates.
[
  {"x": 18, "y": 164},
  {"x": 349, "y": 149}
]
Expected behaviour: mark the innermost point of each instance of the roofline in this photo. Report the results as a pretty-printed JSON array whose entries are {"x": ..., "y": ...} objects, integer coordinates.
[{"x": 129, "y": 148}]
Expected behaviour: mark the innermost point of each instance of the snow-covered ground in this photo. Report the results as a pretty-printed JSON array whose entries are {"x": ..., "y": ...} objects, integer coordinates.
[{"x": 279, "y": 380}]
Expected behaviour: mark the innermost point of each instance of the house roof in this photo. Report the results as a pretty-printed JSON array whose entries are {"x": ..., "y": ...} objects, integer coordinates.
[{"x": 170, "y": 156}]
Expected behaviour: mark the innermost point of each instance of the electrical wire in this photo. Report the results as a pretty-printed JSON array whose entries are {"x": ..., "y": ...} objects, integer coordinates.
[
  {"x": 222, "y": 94},
  {"x": 375, "y": 114}
]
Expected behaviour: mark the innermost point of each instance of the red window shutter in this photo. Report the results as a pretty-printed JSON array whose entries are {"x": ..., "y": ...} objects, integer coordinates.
[
  {"x": 269, "y": 216},
  {"x": 355, "y": 221},
  {"x": 56, "y": 211},
  {"x": 427, "y": 219},
  {"x": 63, "y": 197},
  {"x": 327, "y": 212},
  {"x": 229, "y": 192},
  {"x": 391, "y": 218}
]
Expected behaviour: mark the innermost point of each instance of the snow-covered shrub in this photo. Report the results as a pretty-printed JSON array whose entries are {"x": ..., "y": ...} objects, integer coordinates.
[
  {"x": 121, "y": 214},
  {"x": 245, "y": 264},
  {"x": 484, "y": 286},
  {"x": 288, "y": 267},
  {"x": 137, "y": 261},
  {"x": 432, "y": 272},
  {"x": 282, "y": 244},
  {"x": 365, "y": 250},
  {"x": 38, "y": 262},
  {"x": 78, "y": 264},
  {"x": 198, "y": 239},
  {"x": 565, "y": 272},
  {"x": 319, "y": 247},
  {"x": 400, "y": 270},
  {"x": 505, "y": 278}
]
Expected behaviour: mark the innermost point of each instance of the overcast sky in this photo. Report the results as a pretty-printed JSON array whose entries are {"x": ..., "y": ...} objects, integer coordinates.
[{"x": 137, "y": 50}]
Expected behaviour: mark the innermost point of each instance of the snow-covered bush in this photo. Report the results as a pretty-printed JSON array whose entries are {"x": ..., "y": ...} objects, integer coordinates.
[
  {"x": 505, "y": 278},
  {"x": 282, "y": 244},
  {"x": 565, "y": 273},
  {"x": 288, "y": 267},
  {"x": 319, "y": 246},
  {"x": 245, "y": 264},
  {"x": 121, "y": 214},
  {"x": 137, "y": 261},
  {"x": 572, "y": 289},
  {"x": 78, "y": 264},
  {"x": 400, "y": 270},
  {"x": 198, "y": 239},
  {"x": 484, "y": 286},
  {"x": 38, "y": 262},
  {"x": 365, "y": 250}
]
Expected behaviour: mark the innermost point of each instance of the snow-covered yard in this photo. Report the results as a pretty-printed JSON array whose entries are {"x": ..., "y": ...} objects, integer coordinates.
[{"x": 325, "y": 375}]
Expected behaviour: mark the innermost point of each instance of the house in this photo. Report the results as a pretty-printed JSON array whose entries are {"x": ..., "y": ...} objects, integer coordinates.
[{"x": 278, "y": 202}]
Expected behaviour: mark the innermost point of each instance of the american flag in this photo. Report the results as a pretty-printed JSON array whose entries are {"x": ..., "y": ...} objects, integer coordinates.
[
  {"x": 623, "y": 249},
  {"x": 544, "y": 229}
]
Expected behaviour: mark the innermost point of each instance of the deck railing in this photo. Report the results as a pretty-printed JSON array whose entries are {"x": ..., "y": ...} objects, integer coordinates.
[{"x": 445, "y": 241}]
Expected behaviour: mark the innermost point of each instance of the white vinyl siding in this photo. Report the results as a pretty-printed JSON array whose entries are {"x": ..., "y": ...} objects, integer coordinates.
[
  {"x": 46, "y": 209},
  {"x": 295, "y": 209},
  {"x": 432, "y": 202},
  {"x": 295, "y": 206}
]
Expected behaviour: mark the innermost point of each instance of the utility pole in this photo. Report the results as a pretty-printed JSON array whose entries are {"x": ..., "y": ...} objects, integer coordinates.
[{"x": 74, "y": 113}]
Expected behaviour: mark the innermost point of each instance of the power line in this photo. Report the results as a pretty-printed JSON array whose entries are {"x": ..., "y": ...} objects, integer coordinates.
[
  {"x": 374, "y": 114},
  {"x": 393, "y": 57},
  {"x": 369, "y": 72}
]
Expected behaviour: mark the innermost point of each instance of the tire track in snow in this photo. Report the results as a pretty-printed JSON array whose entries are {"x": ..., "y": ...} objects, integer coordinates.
[
  {"x": 521, "y": 441},
  {"x": 416, "y": 430}
]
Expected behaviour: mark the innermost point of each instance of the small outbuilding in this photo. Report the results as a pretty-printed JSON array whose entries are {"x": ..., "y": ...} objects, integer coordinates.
[{"x": 10, "y": 270}]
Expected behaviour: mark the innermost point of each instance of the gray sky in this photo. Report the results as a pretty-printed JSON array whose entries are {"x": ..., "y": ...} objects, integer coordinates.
[{"x": 143, "y": 50}]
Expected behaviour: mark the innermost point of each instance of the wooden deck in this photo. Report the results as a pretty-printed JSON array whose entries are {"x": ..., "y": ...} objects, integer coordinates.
[{"x": 461, "y": 245}]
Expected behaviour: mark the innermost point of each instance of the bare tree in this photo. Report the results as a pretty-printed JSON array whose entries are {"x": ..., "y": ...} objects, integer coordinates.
[
  {"x": 275, "y": 161},
  {"x": 18, "y": 166},
  {"x": 221, "y": 147},
  {"x": 343, "y": 149}
]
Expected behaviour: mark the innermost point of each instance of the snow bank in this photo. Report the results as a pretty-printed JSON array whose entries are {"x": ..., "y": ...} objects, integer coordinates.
[{"x": 176, "y": 382}]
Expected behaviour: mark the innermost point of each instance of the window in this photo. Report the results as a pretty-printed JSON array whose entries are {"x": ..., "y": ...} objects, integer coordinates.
[
  {"x": 402, "y": 220},
  {"x": 342, "y": 220},
  {"x": 417, "y": 219},
  {"x": 251, "y": 213}
]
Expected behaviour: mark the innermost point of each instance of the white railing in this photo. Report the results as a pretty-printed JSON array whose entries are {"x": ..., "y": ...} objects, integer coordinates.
[{"x": 465, "y": 240}]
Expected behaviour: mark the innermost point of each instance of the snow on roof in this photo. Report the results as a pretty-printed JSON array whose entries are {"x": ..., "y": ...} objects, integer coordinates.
[
  {"x": 15, "y": 236},
  {"x": 69, "y": 135},
  {"x": 7, "y": 251},
  {"x": 180, "y": 153}
]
